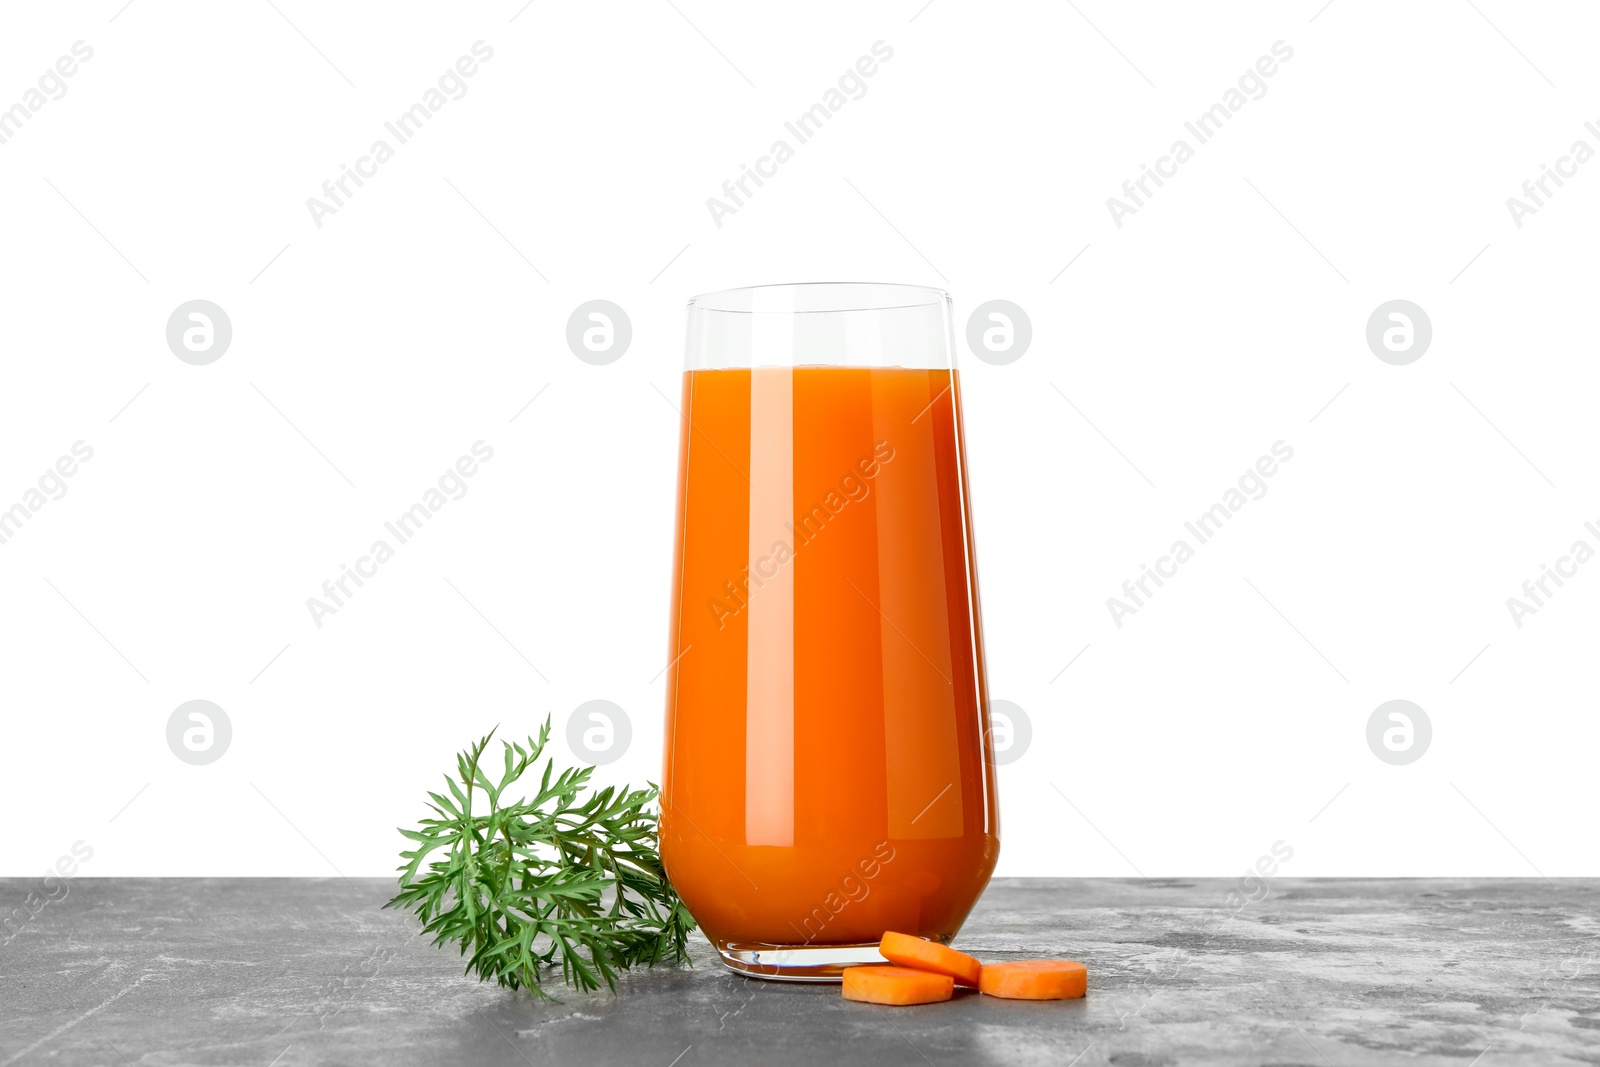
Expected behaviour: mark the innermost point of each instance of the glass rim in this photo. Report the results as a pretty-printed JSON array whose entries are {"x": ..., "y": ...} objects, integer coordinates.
[{"x": 834, "y": 297}]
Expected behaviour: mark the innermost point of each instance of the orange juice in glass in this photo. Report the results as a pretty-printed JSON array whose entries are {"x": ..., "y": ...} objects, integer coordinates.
[{"x": 828, "y": 771}]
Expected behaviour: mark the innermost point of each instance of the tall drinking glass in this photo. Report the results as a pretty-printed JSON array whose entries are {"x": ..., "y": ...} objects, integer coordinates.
[{"x": 828, "y": 772}]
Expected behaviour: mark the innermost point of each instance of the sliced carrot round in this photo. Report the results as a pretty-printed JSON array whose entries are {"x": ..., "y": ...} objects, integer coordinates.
[
  {"x": 925, "y": 955},
  {"x": 1035, "y": 980},
  {"x": 874, "y": 984}
]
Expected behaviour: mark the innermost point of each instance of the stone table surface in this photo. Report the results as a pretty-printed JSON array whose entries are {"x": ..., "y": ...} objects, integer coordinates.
[{"x": 1323, "y": 972}]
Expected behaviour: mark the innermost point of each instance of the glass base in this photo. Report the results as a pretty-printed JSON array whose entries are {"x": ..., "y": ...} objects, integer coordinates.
[{"x": 794, "y": 963}]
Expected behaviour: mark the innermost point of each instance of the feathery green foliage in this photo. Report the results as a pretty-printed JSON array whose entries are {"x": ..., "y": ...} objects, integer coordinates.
[{"x": 556, "y": 879}]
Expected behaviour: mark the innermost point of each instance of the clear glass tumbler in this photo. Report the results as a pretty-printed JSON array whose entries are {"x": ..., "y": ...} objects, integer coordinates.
[{"x": 828, "y": 770}]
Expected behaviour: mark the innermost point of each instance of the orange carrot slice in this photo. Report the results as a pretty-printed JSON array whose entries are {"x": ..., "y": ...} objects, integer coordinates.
[
  {"x": 1035, "y": 980},
  {"x": 875, "y": 984},
  {"x": 925, "y": 955}
]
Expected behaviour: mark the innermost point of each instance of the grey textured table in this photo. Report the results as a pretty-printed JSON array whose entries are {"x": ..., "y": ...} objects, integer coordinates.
[{"x": 1321, "y": 972}]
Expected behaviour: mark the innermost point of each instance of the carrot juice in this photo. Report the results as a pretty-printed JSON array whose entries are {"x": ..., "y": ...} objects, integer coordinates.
[{"x": 828, "y": 773}]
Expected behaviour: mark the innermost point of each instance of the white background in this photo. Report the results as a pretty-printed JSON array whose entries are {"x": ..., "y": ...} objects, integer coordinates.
[{"x": 1222, "y": 317}]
